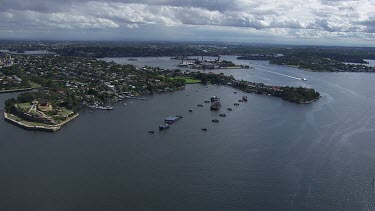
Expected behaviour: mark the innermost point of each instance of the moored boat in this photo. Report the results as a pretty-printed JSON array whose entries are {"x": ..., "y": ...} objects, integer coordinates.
[
  {"x": 163, "y": 127},
  {"x": 215, "y": 103}
]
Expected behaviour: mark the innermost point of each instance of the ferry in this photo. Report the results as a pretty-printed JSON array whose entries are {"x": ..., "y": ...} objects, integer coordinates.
[
  {"x": 215, "y": 103},
  {"x": 171, "y": 119},
  {"x": 186, "y": 64}
]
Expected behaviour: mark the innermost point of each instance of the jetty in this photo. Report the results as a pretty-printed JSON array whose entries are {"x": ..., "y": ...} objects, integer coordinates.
[{"x": 136, "y": 98}]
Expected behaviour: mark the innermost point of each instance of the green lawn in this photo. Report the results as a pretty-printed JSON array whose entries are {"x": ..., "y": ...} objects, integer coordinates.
[
  {"x": 64, "y": 111},
  {"x": 25, "y": 106},
  {"x": 188, "y": 80},
  {"x": 35, "y": 85}
]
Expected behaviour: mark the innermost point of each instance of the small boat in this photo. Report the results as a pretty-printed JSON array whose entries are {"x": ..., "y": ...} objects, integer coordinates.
[
  {"x": 206, "y": 101},
  {"x": 244, "y": 98},
  {"x": 200, "y": 105},
  {"x": 163, "y": 127},
  {"x": 215, "y": 120},
  {"x": 236, "y": 104},
  {"x": 151, "y": 131},
  {"x": 179, "y": 116},
  {"x": 235, "y": 92},
  {"x": 230, "y": 109},
  {"x": 190, "y": 110},
  {"x": 222, "y": 115},
  {"x": 303, "y": 79},
  {"x": 241, "y": 101},
  {"x": 204, "y": 129}
]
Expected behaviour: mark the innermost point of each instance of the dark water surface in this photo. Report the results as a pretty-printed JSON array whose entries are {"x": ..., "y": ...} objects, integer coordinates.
[{"x": 267, "y": 154}]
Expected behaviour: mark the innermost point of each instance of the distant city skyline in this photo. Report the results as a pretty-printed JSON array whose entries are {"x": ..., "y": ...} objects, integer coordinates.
[{"x": 300, "y": 22}]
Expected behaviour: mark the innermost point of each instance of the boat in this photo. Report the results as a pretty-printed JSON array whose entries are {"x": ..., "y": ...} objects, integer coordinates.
[
  {"x": 230, "y": 109},
  {"x": 151, "y": 131},
  {"x": 303, "y": 79},
  {"x": 206, "y": 101},
  {"x": 215, "y": 103},
  {"x": 190, "y": 110},
  {"x": 244, "y": 98},
  {"x": 235, "y": 92},
  {"x": 222, "y": 115},
  {"x": 200, "y": 105},
  {"x": 236, "y": 104},
  {"x": 185, "y": 64},
  {"x": 108, "y": 108},
  {"x": 171, "y": 119},
  {"x": 132, "y": 59},
  {"x": 215, "y": 120},
  {"x": 163, "y": 127},
  {"x": 241, "y": 101},
  {"x": 204, "y": 129}
]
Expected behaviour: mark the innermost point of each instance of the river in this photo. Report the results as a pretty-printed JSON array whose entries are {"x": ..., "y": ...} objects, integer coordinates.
[{"x": 266, "y": 154}]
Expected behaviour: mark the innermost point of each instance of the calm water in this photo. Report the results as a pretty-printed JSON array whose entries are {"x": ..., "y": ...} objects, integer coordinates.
[{"x": 267, "y": 154}]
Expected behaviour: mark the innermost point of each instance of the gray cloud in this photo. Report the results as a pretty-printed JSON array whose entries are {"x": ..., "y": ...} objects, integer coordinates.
[{"x": 304, "y": 18}]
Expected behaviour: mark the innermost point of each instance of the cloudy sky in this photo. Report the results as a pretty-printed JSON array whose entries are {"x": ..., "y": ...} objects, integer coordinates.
[{"x": 326, "y": 22}]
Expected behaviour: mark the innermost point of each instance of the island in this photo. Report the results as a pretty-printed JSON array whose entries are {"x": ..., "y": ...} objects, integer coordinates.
[{"x": 299, "y": 95}]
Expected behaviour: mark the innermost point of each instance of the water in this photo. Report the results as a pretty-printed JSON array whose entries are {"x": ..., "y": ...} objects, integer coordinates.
[{"x": 267, "y": 154}]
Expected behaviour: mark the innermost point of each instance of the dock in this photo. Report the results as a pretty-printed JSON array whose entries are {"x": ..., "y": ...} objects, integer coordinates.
[{"x": 136, "y": 98}]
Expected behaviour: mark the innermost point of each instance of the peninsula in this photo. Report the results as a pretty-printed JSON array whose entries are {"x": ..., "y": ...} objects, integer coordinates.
[{"x": 70, "y": 83}]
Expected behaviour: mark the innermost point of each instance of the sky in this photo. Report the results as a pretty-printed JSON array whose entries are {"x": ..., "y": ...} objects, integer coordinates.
[{"x": 310, "y": 22}]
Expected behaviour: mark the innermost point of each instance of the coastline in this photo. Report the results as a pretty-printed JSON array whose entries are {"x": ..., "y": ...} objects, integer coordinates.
[
  {"x": 35, "y": 127},
  {"x": 16, "y": 90}
]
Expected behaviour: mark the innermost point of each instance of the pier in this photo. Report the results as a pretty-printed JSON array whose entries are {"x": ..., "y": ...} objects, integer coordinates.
[{"x": 136, "y": 98}]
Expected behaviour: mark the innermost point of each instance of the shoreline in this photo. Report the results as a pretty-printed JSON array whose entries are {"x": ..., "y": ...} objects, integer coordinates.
[
  {"x": 38, "y": 128},
  {"x": 16, "y": 90}
]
